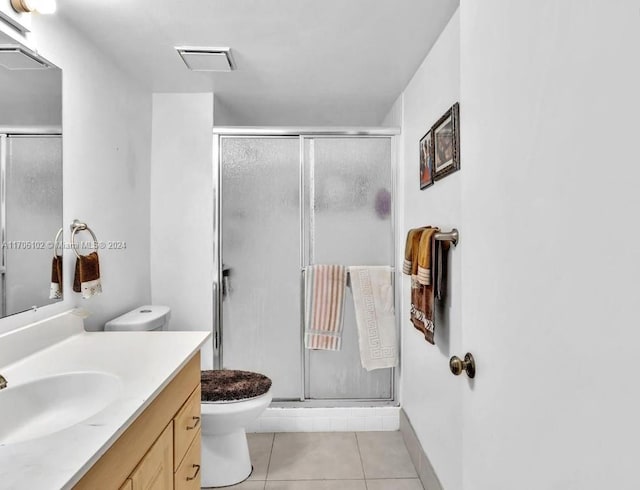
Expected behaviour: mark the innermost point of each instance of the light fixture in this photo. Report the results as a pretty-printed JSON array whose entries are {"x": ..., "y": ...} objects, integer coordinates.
[
  {"x": 206, "y": 59},
  {"x": 40, "y": 6}
]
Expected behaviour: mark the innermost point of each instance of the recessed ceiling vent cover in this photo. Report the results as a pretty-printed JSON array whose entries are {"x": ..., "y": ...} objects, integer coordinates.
[
  {"x": 17, "y": 58},
  {"x": 206, "y": 59}
]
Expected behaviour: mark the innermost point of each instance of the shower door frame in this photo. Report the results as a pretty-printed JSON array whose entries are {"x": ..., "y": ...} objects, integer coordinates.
[
  {"x": 7, "y": 132},
  {"x": 302, "y": 134}
]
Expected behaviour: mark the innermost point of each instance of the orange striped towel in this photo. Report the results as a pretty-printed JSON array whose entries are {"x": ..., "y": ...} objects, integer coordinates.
[{"x": 324, "y": 306}]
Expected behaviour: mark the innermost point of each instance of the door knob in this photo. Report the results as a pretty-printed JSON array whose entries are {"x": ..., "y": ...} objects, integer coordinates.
[{"x": 457, "y": 365}]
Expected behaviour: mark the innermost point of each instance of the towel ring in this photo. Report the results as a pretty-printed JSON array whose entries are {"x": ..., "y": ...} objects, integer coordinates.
[
  {"x": 56, "y": 241},
  {"x": 77, "y": 226}
]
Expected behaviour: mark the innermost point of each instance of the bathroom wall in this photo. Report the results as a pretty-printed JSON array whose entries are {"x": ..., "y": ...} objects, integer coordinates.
[
  {"x": 430, "y": 395},
  {"x": 223, "y": 115},
  {"x": 549, "y": 107},
  {"x": 545, "y": 204},
  {"x": 107, "y": 140},
  {"x": 182, "y": 211}
]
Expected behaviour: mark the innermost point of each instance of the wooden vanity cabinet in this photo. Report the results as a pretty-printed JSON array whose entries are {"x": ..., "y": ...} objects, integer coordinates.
[{"x": 161, "y": 448}]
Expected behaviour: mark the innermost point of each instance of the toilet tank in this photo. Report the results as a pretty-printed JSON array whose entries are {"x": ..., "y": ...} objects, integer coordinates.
[{"x": 143, "y": 318}]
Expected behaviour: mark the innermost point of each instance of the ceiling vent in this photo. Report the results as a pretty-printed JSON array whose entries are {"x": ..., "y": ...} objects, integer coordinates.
[
  {"x": 17, "y": 58},
  {"x": 206, "y": 59}
]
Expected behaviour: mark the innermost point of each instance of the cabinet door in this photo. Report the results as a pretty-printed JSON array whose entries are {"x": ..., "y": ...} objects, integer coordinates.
[
  {"x": 128, "y": 485},
  {"x": 155, "y": 471}
]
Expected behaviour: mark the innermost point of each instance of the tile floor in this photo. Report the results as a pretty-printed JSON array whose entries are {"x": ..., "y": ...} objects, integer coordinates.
[{"x": 330, "y": 461}]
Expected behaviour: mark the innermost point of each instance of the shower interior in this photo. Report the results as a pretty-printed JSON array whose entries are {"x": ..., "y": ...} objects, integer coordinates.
[{"x": 285, "y": 200}]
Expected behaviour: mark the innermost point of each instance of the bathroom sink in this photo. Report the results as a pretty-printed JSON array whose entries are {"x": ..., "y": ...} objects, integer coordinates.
[{"x": 46, "y": 405}]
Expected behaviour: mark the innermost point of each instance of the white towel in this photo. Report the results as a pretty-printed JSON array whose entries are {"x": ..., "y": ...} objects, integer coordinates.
[{"x": 372, "y": 290}]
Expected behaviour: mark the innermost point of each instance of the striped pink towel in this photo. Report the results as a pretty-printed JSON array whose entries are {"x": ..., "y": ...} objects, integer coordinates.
[{"x": 324, "y": 306}]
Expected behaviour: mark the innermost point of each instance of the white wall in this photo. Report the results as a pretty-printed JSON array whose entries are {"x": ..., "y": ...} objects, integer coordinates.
[
  {"x": 549, "y": 108},
  {"x": 182, "y": 211},
  {"x": 223, "y": 114},
  {"x": 430, "y": 395},
  {"x": 106, "y": 124}
]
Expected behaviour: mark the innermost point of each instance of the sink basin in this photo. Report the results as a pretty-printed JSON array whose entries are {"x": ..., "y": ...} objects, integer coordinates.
[{"x": 46, "y": 405}]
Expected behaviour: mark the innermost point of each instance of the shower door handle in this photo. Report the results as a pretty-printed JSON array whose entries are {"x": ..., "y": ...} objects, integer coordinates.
[
  {"x": 217, "y": 318},
  {"x": 226, "y": 282}
]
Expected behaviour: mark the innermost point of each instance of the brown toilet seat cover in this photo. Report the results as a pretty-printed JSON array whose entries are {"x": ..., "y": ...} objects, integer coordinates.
[{"x": 227, "y": 385}]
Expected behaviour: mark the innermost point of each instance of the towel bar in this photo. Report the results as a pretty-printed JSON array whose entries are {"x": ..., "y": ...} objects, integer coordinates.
[
  {"x": 450, "y": 236},
  {"x": 77, "y": 226},
  {"x": 391, "y": 269}
]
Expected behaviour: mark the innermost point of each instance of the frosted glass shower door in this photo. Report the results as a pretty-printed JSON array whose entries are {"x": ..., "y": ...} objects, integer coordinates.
[
  {"x": 260, "y": 236},
  {"x": 33, "y": 207},
  {"x": 348, "y": 221}
]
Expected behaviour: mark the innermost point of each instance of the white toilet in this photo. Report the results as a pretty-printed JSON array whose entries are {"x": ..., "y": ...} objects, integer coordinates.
[
  {"x": 231, "y": 401},
  {"x": 143, "y": 318}
]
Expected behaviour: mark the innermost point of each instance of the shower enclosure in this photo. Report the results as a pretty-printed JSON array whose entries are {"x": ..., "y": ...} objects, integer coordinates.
[
  {"x": 30, "y": 215},
  {"x": 285, "y": 200}
]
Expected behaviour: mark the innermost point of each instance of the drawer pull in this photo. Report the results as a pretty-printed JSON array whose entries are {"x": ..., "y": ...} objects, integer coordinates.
[
  {"x": 195, "y": 424},
  {"x": 197, "y": 467}
]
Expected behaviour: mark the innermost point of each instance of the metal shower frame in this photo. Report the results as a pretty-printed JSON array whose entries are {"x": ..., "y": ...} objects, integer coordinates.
[
  {"x": 5, "y": 133},
  {"x": 302, "y": 134}
]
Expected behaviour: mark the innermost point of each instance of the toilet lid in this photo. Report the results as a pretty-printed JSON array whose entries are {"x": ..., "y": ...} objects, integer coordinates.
[{"x": 227, "y": 385}]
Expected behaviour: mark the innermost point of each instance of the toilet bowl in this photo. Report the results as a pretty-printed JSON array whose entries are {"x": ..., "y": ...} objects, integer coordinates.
[{"x": 231, "y": 400}]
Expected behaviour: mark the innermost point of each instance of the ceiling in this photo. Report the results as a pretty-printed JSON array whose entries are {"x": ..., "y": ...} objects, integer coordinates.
[{"x": 299, "y": 62}]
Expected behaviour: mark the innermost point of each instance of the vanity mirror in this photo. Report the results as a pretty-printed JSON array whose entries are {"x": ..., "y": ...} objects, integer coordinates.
[{"x": 30, "y": 177}]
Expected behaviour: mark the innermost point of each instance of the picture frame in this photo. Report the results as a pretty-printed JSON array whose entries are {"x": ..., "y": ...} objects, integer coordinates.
[
  {"x": 426, "y": 160},
  {"x": 446, "y": 143}
]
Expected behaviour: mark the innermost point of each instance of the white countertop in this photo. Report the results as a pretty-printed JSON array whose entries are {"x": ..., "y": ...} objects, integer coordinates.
[{"x": 145, "y": 362}]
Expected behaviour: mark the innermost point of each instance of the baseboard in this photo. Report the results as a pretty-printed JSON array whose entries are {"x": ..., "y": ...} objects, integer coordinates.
[
  {"x": 420, "y": 460},
  {"x": 356, "y": 419}
]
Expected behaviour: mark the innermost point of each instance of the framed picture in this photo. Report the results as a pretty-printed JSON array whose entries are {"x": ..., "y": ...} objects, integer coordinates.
[
  {"x": 446, "y": 143},
  {"x": 426, "y": 160}
]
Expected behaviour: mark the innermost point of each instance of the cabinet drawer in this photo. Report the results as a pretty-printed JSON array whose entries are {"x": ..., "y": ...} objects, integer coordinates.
[
  {"x": 187, "y": 475},
  {"x": 185, "y": 426}
]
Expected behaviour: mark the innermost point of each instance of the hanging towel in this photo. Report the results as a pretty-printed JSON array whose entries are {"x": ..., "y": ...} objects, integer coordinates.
[
  {"x": 372, "y": 290},
  {"x": 411, "y": 250},
  {"x": 422, "y": 292},
  {"x": 425, "y": 255},
  {"x": 410, "y": 267},
  {"x": 55, "y": 291},
  {"x": 87, "y": 275},
  {"x": 440, "y": 269},
  {"x": 324, "y": 306}
]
